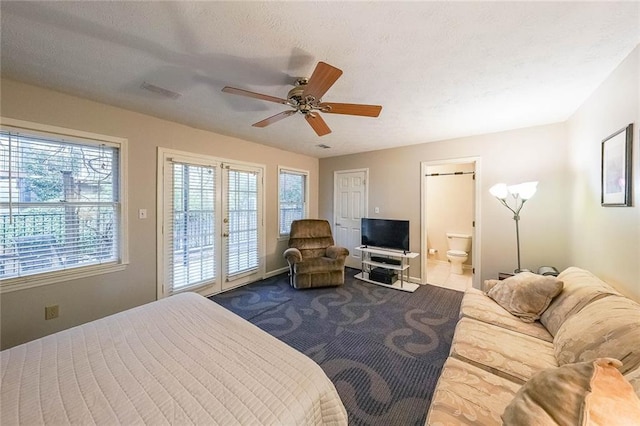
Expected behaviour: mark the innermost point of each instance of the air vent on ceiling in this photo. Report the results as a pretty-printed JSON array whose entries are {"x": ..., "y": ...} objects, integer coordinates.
[
  {"x": 160, "y": 90},
  {"x": 323, "y": 146}
]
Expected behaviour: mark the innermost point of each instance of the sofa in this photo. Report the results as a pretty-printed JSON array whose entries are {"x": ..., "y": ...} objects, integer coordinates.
[{"x": 499, "y": 360}]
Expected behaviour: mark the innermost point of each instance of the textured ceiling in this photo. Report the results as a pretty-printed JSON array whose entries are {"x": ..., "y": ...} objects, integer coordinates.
[{"x": 439, "y": 69}]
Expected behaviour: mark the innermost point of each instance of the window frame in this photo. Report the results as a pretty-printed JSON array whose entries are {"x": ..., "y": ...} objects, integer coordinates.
[
  {"x": 305, "y": 212},
  {"x": 81, "y": 138}
]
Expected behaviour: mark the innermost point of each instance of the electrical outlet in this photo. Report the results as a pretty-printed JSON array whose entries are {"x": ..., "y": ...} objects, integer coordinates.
[{"x": 51, "y": 312}]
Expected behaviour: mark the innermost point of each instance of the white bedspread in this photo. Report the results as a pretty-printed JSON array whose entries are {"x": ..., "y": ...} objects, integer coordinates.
[{"x": 180, "y": 360}]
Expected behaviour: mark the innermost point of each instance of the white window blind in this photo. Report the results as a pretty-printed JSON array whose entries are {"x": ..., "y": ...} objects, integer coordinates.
[
  {"x": 292, "y": 198},
  {"x": 59, "y": 204},
  {"x": 242, "y": 223},
  {"x": 190, "y": 222}
]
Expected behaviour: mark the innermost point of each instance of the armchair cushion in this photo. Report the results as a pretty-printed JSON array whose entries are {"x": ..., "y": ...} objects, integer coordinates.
[{"x": 318, "y": 264}]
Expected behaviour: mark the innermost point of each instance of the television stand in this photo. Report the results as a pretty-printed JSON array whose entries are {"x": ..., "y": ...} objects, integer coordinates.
[{"x": 373, "y": 267}]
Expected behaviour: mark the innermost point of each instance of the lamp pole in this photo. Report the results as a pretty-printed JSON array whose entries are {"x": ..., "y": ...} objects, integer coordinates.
[
  {"x": 516, "y": 217},
  {"x": 520, "y": 193}
]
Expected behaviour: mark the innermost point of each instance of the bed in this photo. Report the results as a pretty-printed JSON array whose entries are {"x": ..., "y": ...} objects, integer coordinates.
[{"x": 180, "y": 360}]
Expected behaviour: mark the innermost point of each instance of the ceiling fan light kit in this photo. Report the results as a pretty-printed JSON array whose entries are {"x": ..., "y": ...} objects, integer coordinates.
[{"x": 306, "y": 98}]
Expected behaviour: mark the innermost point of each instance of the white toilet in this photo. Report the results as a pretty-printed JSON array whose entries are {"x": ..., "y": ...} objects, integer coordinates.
[{"x": 459, "y": 246}]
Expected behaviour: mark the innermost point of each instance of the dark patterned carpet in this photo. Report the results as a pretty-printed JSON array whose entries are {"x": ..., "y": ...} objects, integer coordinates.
[{"x": 382, "y": 348}]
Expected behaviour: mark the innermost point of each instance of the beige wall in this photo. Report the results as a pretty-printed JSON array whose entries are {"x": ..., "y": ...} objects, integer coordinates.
[
  {"x": 450, "y": 206},
  {"x": 22, "y": 312},
  {"x": 538, "y": 153},
  {"x": 606, "y": 240},
  {"x": 562, "y": 225}
]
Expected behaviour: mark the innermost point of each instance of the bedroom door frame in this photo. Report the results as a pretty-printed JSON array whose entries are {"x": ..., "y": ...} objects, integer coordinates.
[{"x": 476, "y": 242}]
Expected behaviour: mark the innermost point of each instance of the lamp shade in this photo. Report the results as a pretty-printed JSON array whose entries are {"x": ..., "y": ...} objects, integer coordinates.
[
  {"x": 527, "y": 190},
  {"x": 499, "y": 190}
]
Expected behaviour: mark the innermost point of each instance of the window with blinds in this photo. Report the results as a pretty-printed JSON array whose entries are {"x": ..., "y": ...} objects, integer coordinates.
[
  {"x": 60, "y": 203},
  {"x": 242, "y": 223},
  {"x": 190, "y": 221},
  {"x": 292, "y": 195}
]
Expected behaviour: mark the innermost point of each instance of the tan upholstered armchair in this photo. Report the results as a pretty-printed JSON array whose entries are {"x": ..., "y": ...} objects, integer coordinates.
[{"x": 314, "y": 259}]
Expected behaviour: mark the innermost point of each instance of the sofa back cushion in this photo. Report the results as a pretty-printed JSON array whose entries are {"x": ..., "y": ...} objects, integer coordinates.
[
  {"x": 634, "y": 378},
  {"x": 609, "y": 327},
  {"x": 580, "y": 288}
]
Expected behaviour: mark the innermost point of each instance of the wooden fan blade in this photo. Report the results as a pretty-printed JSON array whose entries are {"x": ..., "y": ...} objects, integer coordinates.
[
  {"x": 351, "y": 109},
  {"x": 321, "y": 80},
  {"x": 318, "y": 124},
  {"x": 274, "y": 118},
  {"x": 241, "y": 92}
]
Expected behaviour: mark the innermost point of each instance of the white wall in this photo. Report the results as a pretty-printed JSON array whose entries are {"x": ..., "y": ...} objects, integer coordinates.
[
  {"x": 82, "y": 300},
  {"x": 537, "y": 153},
  {"x": 606, "y": 240},
  {"x": 564, "y": 223}
]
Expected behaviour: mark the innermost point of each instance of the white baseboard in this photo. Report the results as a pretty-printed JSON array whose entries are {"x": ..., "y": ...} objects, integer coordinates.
[
  {"x": 446, "y": 262},
  {"x": 276, "y": 272},
  {"x": 414, "y": 280}
]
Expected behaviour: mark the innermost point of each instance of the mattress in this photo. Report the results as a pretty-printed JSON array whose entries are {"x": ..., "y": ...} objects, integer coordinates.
[{"x": 180, "y": 360}]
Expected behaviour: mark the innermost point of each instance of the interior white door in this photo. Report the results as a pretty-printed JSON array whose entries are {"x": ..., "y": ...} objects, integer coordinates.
[{"x": 350, "y": 205}]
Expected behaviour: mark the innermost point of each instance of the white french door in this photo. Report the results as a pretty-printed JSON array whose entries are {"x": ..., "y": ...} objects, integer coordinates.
[
  {"x": 210, "y": 227},
  {"x": 242, "y": 223}
]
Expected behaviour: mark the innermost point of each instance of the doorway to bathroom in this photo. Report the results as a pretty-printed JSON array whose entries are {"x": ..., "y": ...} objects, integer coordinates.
[{"x": 450, "y": 213}]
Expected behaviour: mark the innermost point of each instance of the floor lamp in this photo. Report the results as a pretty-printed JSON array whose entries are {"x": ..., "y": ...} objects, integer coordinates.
[{"x": 520, "y": 193}]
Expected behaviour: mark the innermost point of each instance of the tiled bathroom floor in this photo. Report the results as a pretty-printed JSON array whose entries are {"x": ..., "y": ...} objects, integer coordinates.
[{"x": 438, "y": 274}]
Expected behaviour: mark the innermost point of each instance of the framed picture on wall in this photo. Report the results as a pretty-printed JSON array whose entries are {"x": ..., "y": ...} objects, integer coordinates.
[{"x": 616, "y": 168}]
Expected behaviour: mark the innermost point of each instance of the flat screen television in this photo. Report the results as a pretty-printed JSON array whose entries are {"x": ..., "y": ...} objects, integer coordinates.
[{"x": 385, "y": 233}]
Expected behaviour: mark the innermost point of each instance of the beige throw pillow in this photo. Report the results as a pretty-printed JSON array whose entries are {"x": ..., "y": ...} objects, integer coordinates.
[
  {"x": 587, "y": 393},
  {"x": 526, "y": 295}
]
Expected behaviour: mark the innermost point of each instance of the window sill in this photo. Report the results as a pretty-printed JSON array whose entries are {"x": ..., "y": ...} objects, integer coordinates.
[
  {"x": 38, "y": 280},
  {"x": 283, "y": 238}
]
